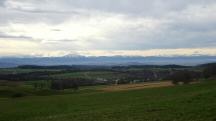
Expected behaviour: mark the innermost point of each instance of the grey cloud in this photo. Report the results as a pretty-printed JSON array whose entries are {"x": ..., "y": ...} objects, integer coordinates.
[
  {"x": 56, "y": 30},
  {"x": 56, "y": 11},
  {"x": 28, "y": 17},
  {"x": 60, "y": 41},
  {"x": 6, "y": 36},
  {"x": 140, "y": 7},
  {"x": 41, "y": 11},
  {"x": 2, "y": 2},
  {"x": 178, "y": 32},
  {"x": 134, "y": 6},
  {"x": 175, "y": 34}
]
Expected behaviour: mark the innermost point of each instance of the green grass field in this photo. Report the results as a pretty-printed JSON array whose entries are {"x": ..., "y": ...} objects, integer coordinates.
[
  {"x": 90, "y": 75},
  {"x": 195, "y": 102}
]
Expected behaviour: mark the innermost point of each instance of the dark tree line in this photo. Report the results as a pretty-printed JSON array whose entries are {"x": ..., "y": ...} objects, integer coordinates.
[
  {"x": 73, "y": 83},
  {"x": 64, "y": 84},
  {"x": 210, "y": 70},
  {"x": 27, "y": 76}
]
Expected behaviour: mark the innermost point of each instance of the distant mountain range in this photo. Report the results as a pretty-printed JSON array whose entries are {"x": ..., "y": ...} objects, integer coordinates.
[{"x": 105, "y": 60}]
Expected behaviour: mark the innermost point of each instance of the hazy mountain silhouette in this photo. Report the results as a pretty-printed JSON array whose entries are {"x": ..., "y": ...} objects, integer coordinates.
[{"x": 105, "y": 60}]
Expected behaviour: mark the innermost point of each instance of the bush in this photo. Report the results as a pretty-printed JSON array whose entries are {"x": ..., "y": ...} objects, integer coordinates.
[
  {"x": 64, "y": 84},
  {"x": 181, "y": 76},
  {"x": 17, "y": 95}
]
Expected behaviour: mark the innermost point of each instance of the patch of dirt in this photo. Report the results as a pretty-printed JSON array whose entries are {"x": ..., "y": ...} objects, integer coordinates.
[{"x": 137, "y": 86}]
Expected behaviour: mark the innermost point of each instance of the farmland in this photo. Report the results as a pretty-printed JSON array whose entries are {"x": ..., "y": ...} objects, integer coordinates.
[
  {"x": 196, "y": 102},
  {"x": 107, "y": 94}
]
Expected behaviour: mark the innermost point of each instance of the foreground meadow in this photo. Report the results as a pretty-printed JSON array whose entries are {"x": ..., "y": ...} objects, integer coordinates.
[{"x": 196, "y": 102}]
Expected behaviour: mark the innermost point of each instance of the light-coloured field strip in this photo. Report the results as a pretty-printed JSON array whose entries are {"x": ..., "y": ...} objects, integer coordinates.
[{"x": 137, "y": 86}]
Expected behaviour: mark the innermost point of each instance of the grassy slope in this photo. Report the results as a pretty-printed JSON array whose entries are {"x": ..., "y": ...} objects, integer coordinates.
[{"x": 181, "y": 103}]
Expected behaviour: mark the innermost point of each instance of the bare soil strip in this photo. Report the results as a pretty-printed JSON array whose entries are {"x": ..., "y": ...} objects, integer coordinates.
[{"x": 137, "y": 86}]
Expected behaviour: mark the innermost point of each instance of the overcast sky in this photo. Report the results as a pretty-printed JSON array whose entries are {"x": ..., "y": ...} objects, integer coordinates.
[{"x": 107, "y": 27}]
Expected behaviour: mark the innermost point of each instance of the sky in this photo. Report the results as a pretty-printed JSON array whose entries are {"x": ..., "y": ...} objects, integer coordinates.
[{"x": 107, "y": 27}]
